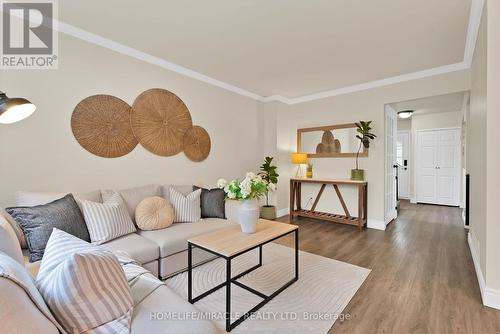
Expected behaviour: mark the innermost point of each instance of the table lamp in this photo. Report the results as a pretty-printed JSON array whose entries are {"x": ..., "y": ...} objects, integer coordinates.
[
  {"x": 299, "y": 159},
  {"x": 14, "y": 109}
]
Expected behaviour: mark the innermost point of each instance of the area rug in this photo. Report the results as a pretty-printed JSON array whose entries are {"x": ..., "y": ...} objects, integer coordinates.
[{"x": 310, "y": 305}]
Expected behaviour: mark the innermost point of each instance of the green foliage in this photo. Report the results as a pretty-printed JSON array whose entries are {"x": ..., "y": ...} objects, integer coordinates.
[
  {"x": 268, "y": 171},
  {"x": 364, "y": 136},
  {"x": 270, "y": 175}
]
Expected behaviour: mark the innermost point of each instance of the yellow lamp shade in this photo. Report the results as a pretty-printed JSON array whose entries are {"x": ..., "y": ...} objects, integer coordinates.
[{"x": 299, "y": 158}]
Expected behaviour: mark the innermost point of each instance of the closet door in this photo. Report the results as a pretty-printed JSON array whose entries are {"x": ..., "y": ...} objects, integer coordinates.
[
  {"x": 438, "y": 166},
  {"x": 448, "y": 167},
  {"x": 427, "y": 154}
]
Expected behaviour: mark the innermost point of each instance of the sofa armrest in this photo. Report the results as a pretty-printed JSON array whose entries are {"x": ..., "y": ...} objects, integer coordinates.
[{"x": 232, "y": 210}]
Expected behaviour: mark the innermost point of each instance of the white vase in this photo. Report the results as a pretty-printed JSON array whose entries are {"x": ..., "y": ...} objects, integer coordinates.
[{"x": 248, "y": 214}]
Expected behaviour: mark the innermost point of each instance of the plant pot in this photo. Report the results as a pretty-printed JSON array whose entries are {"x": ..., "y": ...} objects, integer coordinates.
[
  {"x": 358, "y": 174},
  {"x": 309, "y": 174},
  {"x": 268, "y": 212},
  {"x": 248, "y": 214}
]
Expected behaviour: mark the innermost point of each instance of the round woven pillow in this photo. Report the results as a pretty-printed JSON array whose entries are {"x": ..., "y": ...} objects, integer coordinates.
[{"x": 154, "y": 213}]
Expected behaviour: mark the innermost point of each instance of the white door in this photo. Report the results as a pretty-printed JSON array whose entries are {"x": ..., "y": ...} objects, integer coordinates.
[
  {"x": 402, "y": 154},
  {"x": 391, "y": 128},
  {"x": 438, "y": 166}
]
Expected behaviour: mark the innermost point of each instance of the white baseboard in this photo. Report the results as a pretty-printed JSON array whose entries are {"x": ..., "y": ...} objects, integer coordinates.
[
  {"x": 376, "y": 224},
  {"x": 491, "y": 297},
  {"x": 283, "y": 212},
  {"x": 413, "y": 200}
]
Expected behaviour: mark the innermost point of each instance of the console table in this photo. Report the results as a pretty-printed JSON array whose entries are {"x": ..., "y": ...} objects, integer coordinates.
[{"x": 296, "y": 209}]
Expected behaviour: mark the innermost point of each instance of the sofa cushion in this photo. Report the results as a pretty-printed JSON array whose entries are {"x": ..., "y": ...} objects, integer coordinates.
[
  {"x": 22, "y": 301},
  {"x": 154, "y": 213},
  {"x": 133, "y": 196},
  {"x": 107, "y": 221},
  {"x": 85, "y": 286},
  {"x": 29, "y": 198},
  {"x": 151, "y": 315},
  {"x": 9, "y": 244},
  {"x": 140, "y": 249},
  {"x": 187, "y": 207},
  {"x": 18, "y": 230},
  {"x": 174, "y": 239},
  {"x": 212, "y": 203},
  {"x": 38, "y": 221}
]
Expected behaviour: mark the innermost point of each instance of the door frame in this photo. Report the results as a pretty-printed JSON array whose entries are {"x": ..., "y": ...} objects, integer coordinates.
[
  {"x": 389, "y": 217},
  {"x": 409, "y": 167},
  {"x": 415, "y": 167}
]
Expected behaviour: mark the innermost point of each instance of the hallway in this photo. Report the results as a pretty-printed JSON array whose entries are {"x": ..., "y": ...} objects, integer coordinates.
[{"x": 422, "y": 279}]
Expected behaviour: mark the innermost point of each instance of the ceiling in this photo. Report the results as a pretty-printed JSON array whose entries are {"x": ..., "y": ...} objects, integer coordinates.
[
  {"x": 433, "y": 104},
  {"x": 284, "y": 47}
]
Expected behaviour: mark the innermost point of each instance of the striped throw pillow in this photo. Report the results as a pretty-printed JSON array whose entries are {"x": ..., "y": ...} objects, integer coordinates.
[
  {"x": 107, "y": 221},
  {"x": 187, "y": 208},
  {"x": 84, "y": 286}
]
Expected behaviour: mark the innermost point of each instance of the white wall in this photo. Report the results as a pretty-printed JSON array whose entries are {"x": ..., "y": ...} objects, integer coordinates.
[
  {"x": 365, "y": 105},
  {"x": 40, "y": 153}
]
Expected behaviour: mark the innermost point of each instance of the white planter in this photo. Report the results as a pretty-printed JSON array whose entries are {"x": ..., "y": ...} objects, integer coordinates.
[{"x": 248, "y": 214}]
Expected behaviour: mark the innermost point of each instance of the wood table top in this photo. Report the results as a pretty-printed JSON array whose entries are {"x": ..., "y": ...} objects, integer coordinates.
[
  {"x": 323, "y": 180},
  {"x": 230, "y": 240}
]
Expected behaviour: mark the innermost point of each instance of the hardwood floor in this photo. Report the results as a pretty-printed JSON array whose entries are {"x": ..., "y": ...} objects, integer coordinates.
[{"x": 422, "y": 278}]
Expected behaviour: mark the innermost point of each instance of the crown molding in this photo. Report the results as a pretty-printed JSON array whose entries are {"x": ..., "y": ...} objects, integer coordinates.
[{"x": 471, "y": 38}]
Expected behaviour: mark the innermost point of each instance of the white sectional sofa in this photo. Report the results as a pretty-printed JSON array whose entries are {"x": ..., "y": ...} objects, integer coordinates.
[{"x": 162, "y": 252}]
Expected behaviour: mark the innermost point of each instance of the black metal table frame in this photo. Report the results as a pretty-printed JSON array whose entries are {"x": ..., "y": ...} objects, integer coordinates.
[{"x": 229, "y": 279}]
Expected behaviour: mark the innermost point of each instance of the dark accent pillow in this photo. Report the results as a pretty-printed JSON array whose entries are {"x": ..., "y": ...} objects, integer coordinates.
[
  {"x": 38, "y": 222},
  {"x": 212, "y": 203}
]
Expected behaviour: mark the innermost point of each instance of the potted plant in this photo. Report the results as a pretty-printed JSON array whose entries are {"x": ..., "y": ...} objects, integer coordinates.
[
  {"x": 270, "y": 176},
  {"x": 309, "y": 171},
  {"x": 364, "y": 135},
  {"x": 248, "y": 191}
]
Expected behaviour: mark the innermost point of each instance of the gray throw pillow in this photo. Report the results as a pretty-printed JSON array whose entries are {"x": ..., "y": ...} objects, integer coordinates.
[
  {"x": 38, "y": 222},
  {"x": 212, "y": 203}
]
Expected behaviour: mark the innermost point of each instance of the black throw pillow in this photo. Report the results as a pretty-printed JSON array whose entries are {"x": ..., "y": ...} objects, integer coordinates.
[
  {"x": 212, "y": 203},
  {"x": 38, "y": 222}
]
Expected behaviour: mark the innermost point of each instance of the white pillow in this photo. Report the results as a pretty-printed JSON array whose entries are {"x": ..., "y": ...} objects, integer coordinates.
[
  {"x": 84, "y": 286},
  {"x": 107, "y": 221},
  {"x": 187, "y": 208}
]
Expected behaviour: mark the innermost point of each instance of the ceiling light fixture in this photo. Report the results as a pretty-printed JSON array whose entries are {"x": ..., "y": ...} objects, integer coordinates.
[
  {"x": 405, "y": 114},
  {"x": 14, "y": 109}
]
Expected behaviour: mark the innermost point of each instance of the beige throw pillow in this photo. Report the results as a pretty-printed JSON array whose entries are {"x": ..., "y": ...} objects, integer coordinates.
[{"x": 154, "y": 213}]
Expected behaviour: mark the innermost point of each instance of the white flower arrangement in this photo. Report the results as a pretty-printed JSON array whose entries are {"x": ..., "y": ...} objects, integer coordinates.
[{"x": 251, "y": 187}]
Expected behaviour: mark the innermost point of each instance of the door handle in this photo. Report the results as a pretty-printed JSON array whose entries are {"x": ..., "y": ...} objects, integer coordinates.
[{"x": 437, "y": 167}]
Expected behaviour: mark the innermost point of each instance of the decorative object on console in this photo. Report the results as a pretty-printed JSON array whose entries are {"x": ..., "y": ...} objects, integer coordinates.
[
  {"x": 328, "y": 143},
  {"x": 159, "y": 121},
  {"x": 187, "y": 208},
  {"x": 196, "y": 144},
  {"x": 364, "y": 136},
  {"x": 212, "y": 203},
  {"x": 101, "y": 125},
  {"x": 14, "y": 109},
  {"x": 38, "y": 222},
  {"x": 299, "y": 159},
  {"x": 270, "y": 176},
  {"x": 108, "y": 220},
  {"x": 309, "y": 170},
  {"x": 66, "y": 277},
  {"x": 154, "y": 213},
  {"x": 251, "y": 188}
]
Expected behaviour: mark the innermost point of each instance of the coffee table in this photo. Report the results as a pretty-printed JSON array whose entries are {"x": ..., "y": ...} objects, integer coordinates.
[{"x": 229, "y": 243}]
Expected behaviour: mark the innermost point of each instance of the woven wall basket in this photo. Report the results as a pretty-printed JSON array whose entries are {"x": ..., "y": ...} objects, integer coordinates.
[
  {"x": 101, "y": 125},
  {"x": 197, "y": 144},
  {"x": 159, "y": 121}
]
